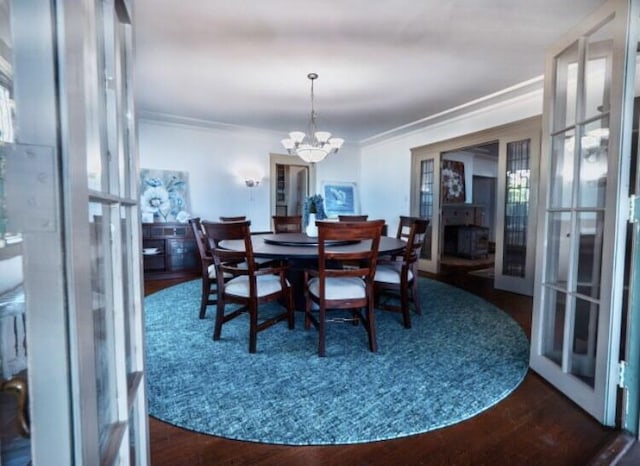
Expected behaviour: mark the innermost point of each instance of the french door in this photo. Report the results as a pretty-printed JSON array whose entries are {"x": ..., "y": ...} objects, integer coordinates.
[
  {"x": 578, "y": 296},
  {"x": 69, "y": 237},
  {"x": 516, "y": 170},
  {"x": 425, "y": 202},
  {"x": 518, "y": 163}
]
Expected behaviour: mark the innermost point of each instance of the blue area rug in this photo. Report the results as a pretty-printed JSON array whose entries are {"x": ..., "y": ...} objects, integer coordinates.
[{"x": 462, "y": 356}]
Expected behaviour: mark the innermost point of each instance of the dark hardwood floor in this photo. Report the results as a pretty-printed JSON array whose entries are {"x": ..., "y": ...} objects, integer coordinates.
[{"x": 535, "y": 425}]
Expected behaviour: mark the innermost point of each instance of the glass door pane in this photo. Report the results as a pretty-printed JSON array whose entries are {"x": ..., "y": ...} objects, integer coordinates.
[
  {"x": 516, "y": 217},
  {"x": 102, "y": 311},
  {"x": 15, "y": 445},
  {"x": 426, "y": 203},
  {"x": 518, "y": 169}
]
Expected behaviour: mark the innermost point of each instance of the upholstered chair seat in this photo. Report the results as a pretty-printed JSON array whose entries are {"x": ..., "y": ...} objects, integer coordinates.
[
  {"x": 266, "y": 285},
  {"x": 212, "y": 272},
  {"x": 339, "y": 288},
  {"x": 391, "y": 273}
]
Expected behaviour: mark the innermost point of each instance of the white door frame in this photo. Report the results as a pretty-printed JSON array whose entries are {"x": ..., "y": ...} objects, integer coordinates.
[{"x": 281, "y": 159}]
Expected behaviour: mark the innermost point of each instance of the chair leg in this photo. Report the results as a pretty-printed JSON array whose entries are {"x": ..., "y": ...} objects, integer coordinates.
[
  {"x": 415, "y": 296},
  {"x": 321, "y": 331},
  {"x": 307, "y": 310},
  {"x": 205, "y": 297},
  {"x": 290, "y": 310},
  {"x": 253, "y": 326},
  {"x": 404, "y": 306},
  {"x": 217, "y": 331},
  {"x": 371, "y": 327}
]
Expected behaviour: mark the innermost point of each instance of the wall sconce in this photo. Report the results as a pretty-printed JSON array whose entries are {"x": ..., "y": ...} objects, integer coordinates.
[{"x": 251, "y": 183}]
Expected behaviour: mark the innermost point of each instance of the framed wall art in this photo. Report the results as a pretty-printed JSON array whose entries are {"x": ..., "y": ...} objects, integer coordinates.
[
  {"x": 340, "y": 198},
  {"x": 452, "y": 181},
  {"x": 164, "y": 196}
]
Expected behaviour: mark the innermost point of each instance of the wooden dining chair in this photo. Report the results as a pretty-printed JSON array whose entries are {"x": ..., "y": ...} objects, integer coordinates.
[
  {"x": 333, "y": 287},
  {"x": 208, "y": 269},
  {"x": 239, "y": 218},
  {"x": 287, "y": 223},
  {"x": 398, "y": 275},
  {"x": 352, "y": 218},
  {"x": 250, "y": 286}
]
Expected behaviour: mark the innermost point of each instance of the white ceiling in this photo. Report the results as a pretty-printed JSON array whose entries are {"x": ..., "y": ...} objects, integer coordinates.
[{"x": 381, "y": 64}]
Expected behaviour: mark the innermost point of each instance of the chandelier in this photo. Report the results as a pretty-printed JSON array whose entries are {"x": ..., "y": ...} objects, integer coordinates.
[{"x": 315, "y": 146}]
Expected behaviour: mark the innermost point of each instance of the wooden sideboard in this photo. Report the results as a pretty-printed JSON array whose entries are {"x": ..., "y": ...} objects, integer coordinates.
[
  {"x": 464, "y": 233},
  {"x": 175, "y": 254},
  {"x": 462, "y": 214}
]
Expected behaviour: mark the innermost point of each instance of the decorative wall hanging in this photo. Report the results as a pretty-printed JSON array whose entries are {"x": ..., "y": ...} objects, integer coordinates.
[
  {"x": 340, "y": 198},
  {"x": 164, "y": 196},
  {"x": 452, "y": 181}
]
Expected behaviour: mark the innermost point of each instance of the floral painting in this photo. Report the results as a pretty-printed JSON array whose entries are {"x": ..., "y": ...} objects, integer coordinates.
[
  {"x": 164, "y": 196},
  {"x": 452, "y": 181}
]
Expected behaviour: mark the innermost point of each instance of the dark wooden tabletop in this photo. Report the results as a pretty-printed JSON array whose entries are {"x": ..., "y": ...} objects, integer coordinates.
[{"x": 301, "y": 246}]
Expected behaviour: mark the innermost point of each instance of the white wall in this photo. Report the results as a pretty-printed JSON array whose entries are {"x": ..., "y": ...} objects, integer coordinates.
[
  {"x": 485, "y": 166},
  {"x": 219, "y": 158},
  {"x": 386, "y": 165}
]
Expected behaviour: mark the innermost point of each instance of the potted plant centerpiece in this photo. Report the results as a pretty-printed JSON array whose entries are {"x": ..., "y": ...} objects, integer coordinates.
[{"x": 313, "y": 210}]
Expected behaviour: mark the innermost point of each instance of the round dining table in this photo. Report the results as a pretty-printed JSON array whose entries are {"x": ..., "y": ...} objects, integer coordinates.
[
  {"x": 294, "y": 246},
  {"x": 301, "y": 251}
]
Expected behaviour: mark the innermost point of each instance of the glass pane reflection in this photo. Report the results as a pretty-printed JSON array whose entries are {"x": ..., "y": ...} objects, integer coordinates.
[
  {"x": 516, "y": 216},
  {"x": 426, "y": 202},
  {"x": 594, "y": 164},
  {"x": 583, "y": 348},
  {"x": 566, "y": 88},
  {"x": 562, "y": 160},
  {"x": 102, "y": 309},
  {"x": 554, "y": 321},
  {"x": 590, "y": 230},
  {"x": 127, "y": 293},
  {"x": 15, "y": 446},
  {"x": 558, "y": 249},
  {"x": 597, "y": 76}
]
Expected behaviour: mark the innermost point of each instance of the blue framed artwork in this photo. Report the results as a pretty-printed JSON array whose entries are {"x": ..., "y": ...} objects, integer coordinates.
[
  {"x": 164, "y": 196},
  {"x": 340, "y": 198}
]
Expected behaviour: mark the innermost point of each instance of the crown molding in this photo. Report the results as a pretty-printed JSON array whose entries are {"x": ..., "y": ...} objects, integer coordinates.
[
  {"x": 521, "y": 91},
  {"x": 176, "y": 120}
]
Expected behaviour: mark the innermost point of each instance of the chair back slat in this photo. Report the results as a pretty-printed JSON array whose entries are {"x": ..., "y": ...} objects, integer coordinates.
[
  {"x": 287, "y": 223},
  {"x": 239, "y": 218},
  {"x": 352, "y": 218}
]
